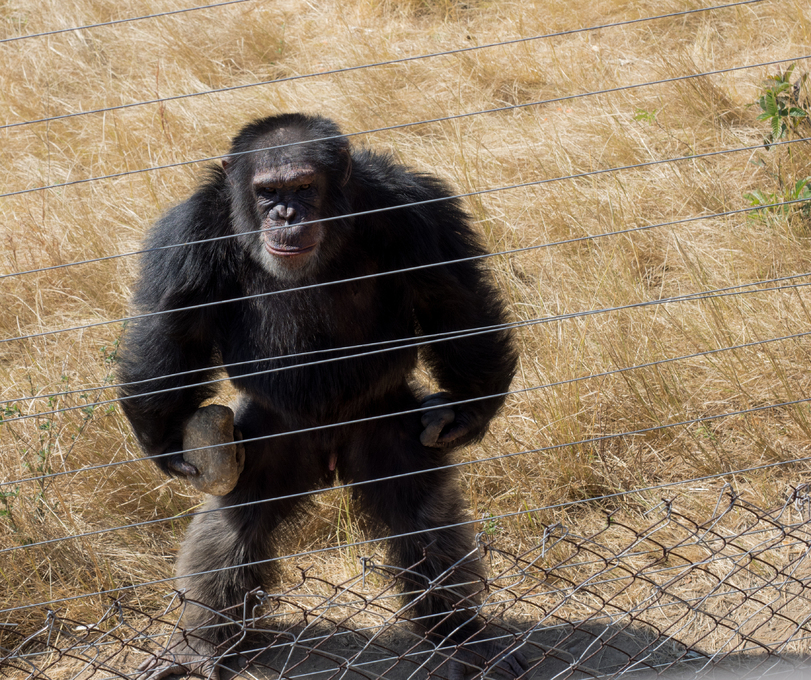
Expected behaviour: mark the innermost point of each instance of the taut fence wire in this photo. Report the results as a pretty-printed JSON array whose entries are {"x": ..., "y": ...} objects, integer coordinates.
[
  {"x": 126, "y": 20},
  {"x": 338, "y": 71},
  {"x": 686, "y": 578},
  {"x": 424, "y": 340},
  {"x": 459, "y": 116}
]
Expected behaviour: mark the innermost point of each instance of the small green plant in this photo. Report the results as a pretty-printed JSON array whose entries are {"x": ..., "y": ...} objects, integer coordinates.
[
  {"x": 90, "y": 408},
  {"x": 781, "y": 202},
  {"x": 7, "y": 500},
  {"x": 785, "y": 111},
  {"x": 645, "y": 116},
  {"x": 491, "y": 524},
  {"x": 12, "y": 411},
  {"x": 703, "y": 431},
  {"x": 780, "y": 103}
]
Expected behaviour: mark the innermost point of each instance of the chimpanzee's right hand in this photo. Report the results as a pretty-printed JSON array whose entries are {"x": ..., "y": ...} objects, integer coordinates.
[{"x": 450, "y": 426}]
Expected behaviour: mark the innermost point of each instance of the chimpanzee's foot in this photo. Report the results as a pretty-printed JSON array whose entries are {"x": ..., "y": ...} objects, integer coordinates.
[{"x": 185, "y": 655}]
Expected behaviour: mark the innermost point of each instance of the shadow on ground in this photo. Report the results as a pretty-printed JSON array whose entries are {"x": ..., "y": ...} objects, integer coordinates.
[{"x": 562, "y": 652}]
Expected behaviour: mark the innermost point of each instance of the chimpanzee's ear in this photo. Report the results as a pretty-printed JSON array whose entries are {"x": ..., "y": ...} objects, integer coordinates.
[{"x": 226, "y": 163}]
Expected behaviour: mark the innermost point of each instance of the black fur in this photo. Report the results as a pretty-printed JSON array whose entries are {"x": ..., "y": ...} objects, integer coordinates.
[{"x": 453, "y": 297}]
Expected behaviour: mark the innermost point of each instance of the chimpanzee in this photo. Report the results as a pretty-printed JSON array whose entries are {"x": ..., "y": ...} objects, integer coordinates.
[{"x": 301, "y": 249}]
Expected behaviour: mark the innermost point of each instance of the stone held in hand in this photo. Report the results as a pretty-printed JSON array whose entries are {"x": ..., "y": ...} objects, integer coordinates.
[{"x": 219, "y": 466}]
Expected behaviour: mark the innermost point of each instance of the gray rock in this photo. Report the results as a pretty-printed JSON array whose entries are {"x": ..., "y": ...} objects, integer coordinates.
[{"x": 221, "y": 465}]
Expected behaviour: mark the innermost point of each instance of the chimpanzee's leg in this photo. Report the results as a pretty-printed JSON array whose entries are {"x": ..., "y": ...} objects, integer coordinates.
[
  {"x": 426, "y": 514},
  {"x": 220, "y": 560}
]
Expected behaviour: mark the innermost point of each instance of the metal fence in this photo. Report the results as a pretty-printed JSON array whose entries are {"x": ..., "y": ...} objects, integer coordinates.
[
  {"x": 658, "y": 588},
  {"x": 661, "y": 592}
]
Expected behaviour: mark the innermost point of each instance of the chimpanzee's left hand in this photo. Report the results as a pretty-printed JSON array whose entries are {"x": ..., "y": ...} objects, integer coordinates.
[{"x": 447, "y": 426}]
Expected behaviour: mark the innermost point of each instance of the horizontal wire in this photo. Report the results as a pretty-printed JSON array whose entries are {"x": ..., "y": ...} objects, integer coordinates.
[
  {"x": 139, "y": 252},
  {"x": 348, "y": 69},
  {"x": 563, "y": 382},
  {"x": 404, "y": 475},
  {"x": 630, "y": 230},
  {"x": 235, "y": 364},
  {"x": 465, "y": 463},
  {"x": 505, "y": 394},
  {"x": 591, "y": 173},
  {"x": 458, "y": 196},
  {"x": 522, "y": 512},
  {"x": 556, "y": 506},
  {"x": 111, "y": 23},
  {"x": 397, "y": 344},
  {"x": 626, "y": 554},
  {"x": 419, "y": 341},
  {"x": 399, "y": 126}
]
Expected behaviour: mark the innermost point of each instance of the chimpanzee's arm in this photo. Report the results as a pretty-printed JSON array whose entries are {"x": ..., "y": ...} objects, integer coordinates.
[
  {"x": 458, "y": 299},
  {"x": 156, "y": 348}
]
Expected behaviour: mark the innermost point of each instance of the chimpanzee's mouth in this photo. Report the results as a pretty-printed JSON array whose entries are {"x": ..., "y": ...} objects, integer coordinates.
[{"x": 288, "y": 250}]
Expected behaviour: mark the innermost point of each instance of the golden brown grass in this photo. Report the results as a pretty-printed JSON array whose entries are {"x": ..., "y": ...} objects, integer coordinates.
[{"x": 261, "y": 41}]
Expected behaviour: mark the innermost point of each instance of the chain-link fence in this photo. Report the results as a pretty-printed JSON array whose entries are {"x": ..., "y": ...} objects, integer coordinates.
[{"x": 674, "y": 594}]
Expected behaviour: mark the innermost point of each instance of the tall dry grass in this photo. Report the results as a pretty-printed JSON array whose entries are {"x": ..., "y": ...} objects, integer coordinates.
[{"x": 263, "y": 41}]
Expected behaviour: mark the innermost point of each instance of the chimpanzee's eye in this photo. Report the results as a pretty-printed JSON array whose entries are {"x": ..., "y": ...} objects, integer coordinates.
[{"x": 304, "y": 187}]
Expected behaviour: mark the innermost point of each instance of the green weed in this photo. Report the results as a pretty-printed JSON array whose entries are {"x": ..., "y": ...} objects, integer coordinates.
[{"x": 780, "y": 103}]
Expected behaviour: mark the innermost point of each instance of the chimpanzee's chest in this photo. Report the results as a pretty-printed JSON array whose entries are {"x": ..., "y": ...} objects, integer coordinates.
[{"x": 321, "y": 352}]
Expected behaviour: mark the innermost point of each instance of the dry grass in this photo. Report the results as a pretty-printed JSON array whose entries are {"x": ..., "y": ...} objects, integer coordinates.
[{"x": 259, "y": 41}]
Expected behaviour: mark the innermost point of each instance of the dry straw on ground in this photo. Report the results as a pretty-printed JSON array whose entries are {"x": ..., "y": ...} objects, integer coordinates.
[{"x": 260, "y": 40}]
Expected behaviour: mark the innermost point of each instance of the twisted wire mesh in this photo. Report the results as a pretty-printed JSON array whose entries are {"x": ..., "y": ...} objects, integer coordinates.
[{"x": 660, "y": 592}]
